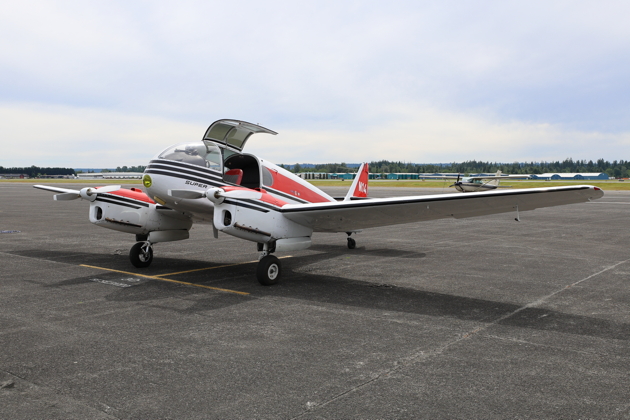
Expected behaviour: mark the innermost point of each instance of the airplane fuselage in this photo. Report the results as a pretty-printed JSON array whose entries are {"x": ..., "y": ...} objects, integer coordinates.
[
  {"x": 473, "y": 187},
  {"x": 178, "y": 171}
]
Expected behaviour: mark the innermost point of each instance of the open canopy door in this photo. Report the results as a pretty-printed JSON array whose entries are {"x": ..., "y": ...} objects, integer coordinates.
[{"x": 233, "y": 133}]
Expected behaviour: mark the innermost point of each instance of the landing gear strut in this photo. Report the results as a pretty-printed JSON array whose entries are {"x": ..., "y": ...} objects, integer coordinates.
[
  {"x": 141, "y": 254},
  {"x": 269, "y": 268}
]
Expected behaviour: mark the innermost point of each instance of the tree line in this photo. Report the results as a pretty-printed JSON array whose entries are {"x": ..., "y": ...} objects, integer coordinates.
[
  {"x": 138, "y": 168},
  {"x": 35, "y": 171},
  {"x": 616, "y": 168}
]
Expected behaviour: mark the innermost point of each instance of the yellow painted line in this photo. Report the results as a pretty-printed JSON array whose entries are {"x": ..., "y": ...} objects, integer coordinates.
[
  {"x": 212, "y": 268},
  {"x": 202, "y": 269},
  {"x": 163, "y": 279}
]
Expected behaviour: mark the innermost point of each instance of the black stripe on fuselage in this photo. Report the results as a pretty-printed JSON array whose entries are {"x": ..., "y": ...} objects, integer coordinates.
[
  {"x": 124, "y": 199},
  {"x": 212, "y": 183},
  {"x": 188, "y": 166},
  {"x": 118, "y": 203},
  {"x": 246, "y": 205},
  {"x": 374, "y": 203},
  {"x": 261, "y": 204},
  {"x": 199, "y": 174}
]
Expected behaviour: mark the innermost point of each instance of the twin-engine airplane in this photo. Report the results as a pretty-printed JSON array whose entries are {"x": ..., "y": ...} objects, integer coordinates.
[{"x": 240, "y": 194}]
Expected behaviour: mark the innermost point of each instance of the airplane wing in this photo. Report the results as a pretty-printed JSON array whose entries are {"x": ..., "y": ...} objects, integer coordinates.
[
  {"x": 348, "y": 216},
  {"x": 476, "y": 177},
  {"x": 500, "y": 177},
  {"x": 440, "y": 176}
]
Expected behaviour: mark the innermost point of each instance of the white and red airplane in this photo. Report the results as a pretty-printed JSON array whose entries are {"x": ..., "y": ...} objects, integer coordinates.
[{"x": 240, "y": 194}]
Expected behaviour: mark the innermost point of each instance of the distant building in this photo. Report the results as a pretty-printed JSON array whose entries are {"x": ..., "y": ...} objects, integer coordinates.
[
  {"x": 111, "y": 175},
  {"x": 314, "y": 175},
  {"x": 572, "y": 176},
  {"x": 57, "y": 176},
  {"x": 14, "y": 176}
]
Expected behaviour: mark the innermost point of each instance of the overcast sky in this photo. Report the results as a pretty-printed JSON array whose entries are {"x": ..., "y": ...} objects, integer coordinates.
[{"x": 112, "y": 83}]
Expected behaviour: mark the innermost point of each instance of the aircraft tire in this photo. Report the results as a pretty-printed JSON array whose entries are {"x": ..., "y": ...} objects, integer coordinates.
[
  {"x": 268, "y": 270},
  {"x": 138, "y": 258},
  {"x": 352, "y": 243}
]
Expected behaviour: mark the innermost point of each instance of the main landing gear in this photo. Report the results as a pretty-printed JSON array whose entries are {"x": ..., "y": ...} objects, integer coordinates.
[
  {"x": 269, "y": 267},
  {"x": 141, "y": 254},
  {"x": 351, "y": 242}
]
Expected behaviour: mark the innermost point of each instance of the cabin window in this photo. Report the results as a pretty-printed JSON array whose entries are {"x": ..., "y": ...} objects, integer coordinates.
[
  {"x": 267, "y": 177},
  {"x": 201, "y": 154}
]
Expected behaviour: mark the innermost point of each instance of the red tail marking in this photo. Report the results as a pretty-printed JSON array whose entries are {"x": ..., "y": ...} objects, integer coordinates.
[{"x": 361, "y": 189}]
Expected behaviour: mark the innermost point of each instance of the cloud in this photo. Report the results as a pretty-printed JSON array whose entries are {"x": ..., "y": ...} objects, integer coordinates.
[
  {"x": 539, "y": 79},
  {"x": 84, "y": 137},
  {"x": 427, "y": 135}
]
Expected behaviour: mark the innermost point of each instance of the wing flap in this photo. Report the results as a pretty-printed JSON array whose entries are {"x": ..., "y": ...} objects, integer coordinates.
[{"x": 354, "y": 215}]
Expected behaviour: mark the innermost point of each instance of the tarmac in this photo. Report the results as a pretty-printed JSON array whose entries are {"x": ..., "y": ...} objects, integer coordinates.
[{"x": 480, "y": 318}]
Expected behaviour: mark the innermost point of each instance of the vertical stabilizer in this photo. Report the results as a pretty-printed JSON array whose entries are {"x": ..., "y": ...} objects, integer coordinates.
[
  {"x": 359, "y": 187},
  {"x": 495, "y": 181}
]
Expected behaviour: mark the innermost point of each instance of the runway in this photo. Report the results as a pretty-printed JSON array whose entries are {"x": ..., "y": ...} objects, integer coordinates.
[{"x": 473, "y": 318}]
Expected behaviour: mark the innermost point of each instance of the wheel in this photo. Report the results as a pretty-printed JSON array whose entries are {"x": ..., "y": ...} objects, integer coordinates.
[
  {"x": 268, "y": 271},
  {"x": 352, "y": 243},
  {"x": 141, "y": 256}
]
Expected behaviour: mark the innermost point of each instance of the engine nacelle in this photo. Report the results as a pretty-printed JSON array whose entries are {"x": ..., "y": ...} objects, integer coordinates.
[
  {"x": 259, "y": 226},
  {"x": 140, "y": 219}
]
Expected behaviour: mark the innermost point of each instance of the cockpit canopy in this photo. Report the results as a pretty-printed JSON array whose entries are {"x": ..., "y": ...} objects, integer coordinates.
[
  {"x": 220, "y": 150},
  {"x": 195, "y": 153},
  {"x": 233, "y": 133},
  {"x": 222, "y": 139}
]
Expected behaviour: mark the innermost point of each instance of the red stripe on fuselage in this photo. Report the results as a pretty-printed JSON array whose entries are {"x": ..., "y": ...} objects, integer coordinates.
[
  {"x": 134, "y": 194},
  {"x": 266, "y": 197},
  {"x": 294, "y": 188}
]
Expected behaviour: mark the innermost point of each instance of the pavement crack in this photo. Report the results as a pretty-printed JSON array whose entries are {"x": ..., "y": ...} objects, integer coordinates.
[{"x": 423, "y": 355}]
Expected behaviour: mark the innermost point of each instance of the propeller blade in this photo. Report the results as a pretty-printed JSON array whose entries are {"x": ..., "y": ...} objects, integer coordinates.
[
  {"x": 190, "y": 194},
  {"x": 55, "y": 189},
  {"x": 67, "y": 196}
]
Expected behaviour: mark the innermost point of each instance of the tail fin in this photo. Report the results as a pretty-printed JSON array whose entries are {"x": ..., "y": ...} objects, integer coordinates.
[
  {"x": 359, "y": 187},
  {"x": 495, "y": 181}
]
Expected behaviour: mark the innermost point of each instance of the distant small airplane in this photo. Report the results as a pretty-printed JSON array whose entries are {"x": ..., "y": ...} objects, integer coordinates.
[
  {"x": 212, "y": 181},
  {"x": 480, "y": 182}
]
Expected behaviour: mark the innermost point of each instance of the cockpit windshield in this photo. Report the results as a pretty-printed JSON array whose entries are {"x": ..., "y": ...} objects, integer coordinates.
[{"x": 204, "y": 154}]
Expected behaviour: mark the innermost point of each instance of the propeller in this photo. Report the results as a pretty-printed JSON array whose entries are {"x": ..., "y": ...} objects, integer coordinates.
[
  {"x": 456, "y": 182},
  {"x": 216, "y": 195},
  {"x": 88, "y": 193}
]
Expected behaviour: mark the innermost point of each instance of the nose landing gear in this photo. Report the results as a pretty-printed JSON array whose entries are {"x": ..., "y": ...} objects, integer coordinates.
[
  {"x": 141, "y": 254},
  {"x": 269, "y": 267}
]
